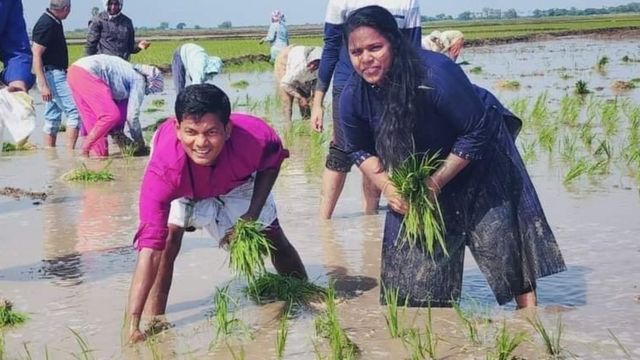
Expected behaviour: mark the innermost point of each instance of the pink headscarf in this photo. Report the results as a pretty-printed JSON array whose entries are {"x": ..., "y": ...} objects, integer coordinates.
[{"x": 277, "y": 16}]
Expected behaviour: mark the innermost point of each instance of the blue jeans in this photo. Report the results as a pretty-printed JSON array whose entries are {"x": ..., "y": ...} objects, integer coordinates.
[{"x": 61, "y": 101}]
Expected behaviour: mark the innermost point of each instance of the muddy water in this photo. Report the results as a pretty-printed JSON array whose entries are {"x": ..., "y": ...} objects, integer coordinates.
[{"x": 67, "y": 261}]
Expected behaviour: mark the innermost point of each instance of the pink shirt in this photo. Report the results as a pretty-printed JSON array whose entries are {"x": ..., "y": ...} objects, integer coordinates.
[{"x": 253, "y": 146}]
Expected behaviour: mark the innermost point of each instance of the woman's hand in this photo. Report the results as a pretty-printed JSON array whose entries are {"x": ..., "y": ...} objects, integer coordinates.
[
  {"x": 395, "y": 201},
  {"x": 434, "y": 188},
  {"x": 317, "y": 114}
]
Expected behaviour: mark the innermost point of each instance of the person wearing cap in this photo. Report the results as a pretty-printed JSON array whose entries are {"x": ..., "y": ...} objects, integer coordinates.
[
  {"x": 109, "y": 90},
  {"x": 111, "y": 32},
  {"x": 50, "y": 63},
  {"x": 277, "y": 35},
  {"x": 296, "y": 71},
  {"x": 449, "y": 42},
  {"x": 192, "y": 61}
]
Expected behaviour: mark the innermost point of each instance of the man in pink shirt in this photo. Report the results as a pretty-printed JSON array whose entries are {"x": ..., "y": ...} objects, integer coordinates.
[{"x": 207, "y": 169}]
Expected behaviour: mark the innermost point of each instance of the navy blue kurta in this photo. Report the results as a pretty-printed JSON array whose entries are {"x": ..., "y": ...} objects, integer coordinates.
[{"x": 490, "y": 206}]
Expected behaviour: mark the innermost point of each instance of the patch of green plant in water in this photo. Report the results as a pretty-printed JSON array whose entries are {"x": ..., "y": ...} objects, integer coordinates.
[
  {"x": 9, "y": 317},
  {"x": 506, "y": 344},
  {"x": 248, "y": 246},
  {"x": 569, "y": 148},
  {"x": 569, "y": 110},
  {"x": 605, "y": 149},
  {"x": 85, "y": 351},
  {"x": 578, "y": 169},
  {"x": 224, "y": 321},
  {"x": 469, "y": 323},
  {"x": 547, "y": 136},
  {"x": 509, "y": 85},
  {"x": 316, "y": 152},
  {"x": 152, "y": 344},
  {"x": 158, "y": 103},
  {"x": 391, "y": 317},
  {"x": 423, "y": 221},
  {"x": 565, "y": 76},
  {"x": 11, "y": 147},
  {"x": 283, "y": 332},
  {"x": 581, "y": 87},
  {"x": 609, "y": 117},
  {"x": 327, "y": 325},
  {"x": 519, "y": 107},
  {"x": 528, "y": 149},
  {"x": 240, "y": 355},
  {"x": 552, "y": 340},
  {"x": 422, "y": 346},
  {"x": 602, "y": 64},
  {"x": 586, "y": 134},
  {"x": 274, "y": 287},
  {"x": 151, "y": 110},
  {"x": 84, "y": 174},
  {"x": 540, "y": 111},
  {"x": 240, "y": 84},
  {"x": 153, "y": 127},
  {"x": 476, "y": 70}
]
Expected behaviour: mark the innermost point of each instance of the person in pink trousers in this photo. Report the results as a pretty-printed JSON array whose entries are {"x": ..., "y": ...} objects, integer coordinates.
[{"x": 109, "y": 92}]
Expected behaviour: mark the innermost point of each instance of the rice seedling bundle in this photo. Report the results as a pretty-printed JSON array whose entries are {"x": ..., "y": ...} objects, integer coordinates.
[
  {"x": 423, "y": 221},
  {"x": 273, "y": 287},
  {"x": 552, "y": 340},
  {"x": 506, "y": 344},
  {"x": 327, "y": 325},
  {"x": 8, "y": 317},
  {"x": 84, "y": 174},
  {"x": 248, "y": 247}
]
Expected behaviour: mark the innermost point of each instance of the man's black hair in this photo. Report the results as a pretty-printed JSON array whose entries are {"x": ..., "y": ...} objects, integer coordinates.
[{"x": 197, "y": 100}]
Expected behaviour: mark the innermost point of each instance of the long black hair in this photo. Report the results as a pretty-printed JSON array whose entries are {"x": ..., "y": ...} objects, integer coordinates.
[{"x": 394, "y": 139}]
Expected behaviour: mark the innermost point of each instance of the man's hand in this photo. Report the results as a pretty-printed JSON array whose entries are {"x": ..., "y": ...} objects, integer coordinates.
[
  {"x": 45, "y": 92},
  {"x": 144, "y": 44},
  {"x": 317, "y": 114}
]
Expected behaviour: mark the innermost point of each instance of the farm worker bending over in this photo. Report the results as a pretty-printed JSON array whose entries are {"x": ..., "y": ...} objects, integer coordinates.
[
  {"x": 50, "y": 63},
  {"x": 15, "y": 54},
  {"x": 192, "y": 61},
  {"x": 208, "y": 168},
  {"x": 277, "y": 35},
  {"x": 394, "y": 109},
  {"x": 108, "y": 91},
  {"x": 111, "y": 32},
  {"x": 449, "y": 42},
  {"x": 296, "y": 72}
]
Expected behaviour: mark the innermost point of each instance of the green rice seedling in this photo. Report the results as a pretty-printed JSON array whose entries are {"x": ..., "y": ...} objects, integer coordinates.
[
  {"x": 604, "y": 150},
  {"x": 84, "y": 174},
  {"x": 508, "y": 85},
  {"x": 626, "y": 59},
  {"x": 10, "y": 147},
  {"x": 578, "y": 169},
  {"x": 540, "y": 111},
  {"x": 528, "y": 149},
  {"x": 626, "y": 352},
  {"x": 241, "y": 84},
  {"x": 316, "y": 152},
  {"x": 569, "y": 148},
  {"x": 581, "y": 87},
  {"x": 85, "y": 351},
  {"x": 519, "y": 107},
  {"x": 158, "y": 103},
  {"x": 152, "y": 344},
  {"x": 565, "y": 76},
  {"x": 393, "y": 324},
  {"x": 248, "y": 247},
  {"x": 423, "y": 221},
  {"x": 240, "y": 355},
  {"x": 506, "y": 344},
  {"x": 225, "y": 322},
  {"x": 151, "y": 110},
  {"x": 600, "y": 167},
  {"x": 602, "y": 64},
  {"x": 327, "y": 325},
  {"x": 283, "y": 332},
  {"x": 421, "y": 346},
  {"x": 547, "y": 136},
  {"x": 476, "y": 70},
  {"x": 586, "y": 134},
  {"x": 552, "y": 340},
  {"x": 27, "y": 352},
  {"x": 469, "y": 323},
  {"x": 569, "y": 110},
  {"x": 9, "y": 317},
  {"x": 609, "y": 117},
  {"x": 274, "y": 287}
]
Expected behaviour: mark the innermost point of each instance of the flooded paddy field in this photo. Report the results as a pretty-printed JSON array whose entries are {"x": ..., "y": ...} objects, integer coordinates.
[{"x": 66, "y": 261}]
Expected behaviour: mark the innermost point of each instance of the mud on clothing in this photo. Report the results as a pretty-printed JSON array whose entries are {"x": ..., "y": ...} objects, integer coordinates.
[{"x": 490, "y": 206}]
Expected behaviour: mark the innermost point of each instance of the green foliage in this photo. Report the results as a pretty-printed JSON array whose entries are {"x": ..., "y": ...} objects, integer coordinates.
[
  {"x": 519, "y": 107},
  {"x": 423, "y": 221},
  {"x": 9, "y": 317},
  {"x": 602, "y": 63},
  {"x": 248, "y": 247},
  {"x": 506, "y": 344},
  {"x": 509, "y": 85},
  {"x": 241, "y": 84},
  {"x": 10, "y": 147},
  {"x": 476, "y": 70},
  {"x": 84, "y": 174},
  {"x": 582, "y": 88},
  {"x": 569, "y": 110},
  {"x": 85, "y": 351},
  {"x": 224, "y": 320},
  {"x": 469, "y": 323},
  {"x": 327, "y": 326},
  {"x": 273, "y": 287},
  {"x": 393, "y": 324},
  {"x": 283, "y": 332},
  {"x": 552, "y": 340},
  {"x": 421, "y": 346}
]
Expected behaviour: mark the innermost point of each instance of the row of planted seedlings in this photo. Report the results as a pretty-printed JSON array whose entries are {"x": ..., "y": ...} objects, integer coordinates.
[{"x": 587, "y": 134}]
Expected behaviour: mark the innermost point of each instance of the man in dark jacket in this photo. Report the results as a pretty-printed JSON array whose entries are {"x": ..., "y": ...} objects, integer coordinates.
[{"x": 111, "y": 32}]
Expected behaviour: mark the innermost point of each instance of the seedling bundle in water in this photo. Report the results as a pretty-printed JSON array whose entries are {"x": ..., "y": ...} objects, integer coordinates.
[
  {"x": 84, "y": 174},
  {"x": 423, "y": 221},
  {"x": 248, "y": 248},
  {"x": 274, "y": 287},
  {"x": 8, "y": 317}
]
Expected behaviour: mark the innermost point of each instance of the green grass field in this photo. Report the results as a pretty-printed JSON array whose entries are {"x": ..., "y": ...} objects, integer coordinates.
[{"x": 161, "y": 51}]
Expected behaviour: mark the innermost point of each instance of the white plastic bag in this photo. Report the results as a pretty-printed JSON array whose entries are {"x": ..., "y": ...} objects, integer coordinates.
[{"x": 17, "y": 114}]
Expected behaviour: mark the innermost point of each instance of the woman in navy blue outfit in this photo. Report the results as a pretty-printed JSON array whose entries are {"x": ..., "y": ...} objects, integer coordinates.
[{"x": 403, "y": 102}]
